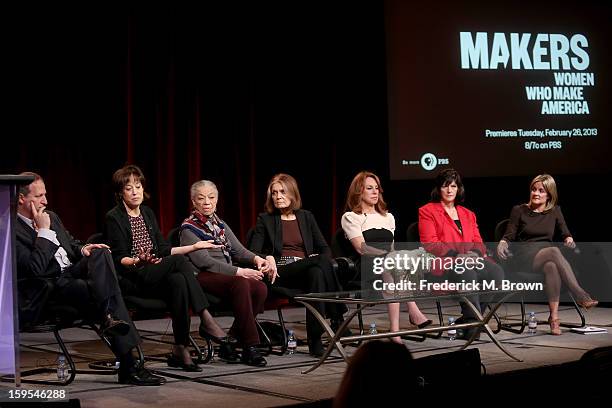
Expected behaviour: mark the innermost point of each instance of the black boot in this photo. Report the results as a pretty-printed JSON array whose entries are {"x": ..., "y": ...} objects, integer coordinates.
[
  {"x": 466, "y": 334},
  {"x": 251, "y": 356}
]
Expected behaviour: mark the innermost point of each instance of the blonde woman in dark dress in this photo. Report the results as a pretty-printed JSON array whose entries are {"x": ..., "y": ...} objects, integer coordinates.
[{"x": 538, "y": 222}]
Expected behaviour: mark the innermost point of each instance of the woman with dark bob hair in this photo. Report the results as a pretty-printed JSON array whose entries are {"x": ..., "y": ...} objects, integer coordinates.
[
  {"x": 155, "y": 269},
  {"x": 450, "y": 230}
]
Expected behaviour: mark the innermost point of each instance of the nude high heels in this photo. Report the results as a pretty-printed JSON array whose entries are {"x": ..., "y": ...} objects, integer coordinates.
[
  {"x": 555, "y": 326},
  {"x": 588, "y": 303}
]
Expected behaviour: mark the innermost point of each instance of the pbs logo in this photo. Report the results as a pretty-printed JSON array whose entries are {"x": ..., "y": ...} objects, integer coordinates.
[{"x": 429, "y": 161}]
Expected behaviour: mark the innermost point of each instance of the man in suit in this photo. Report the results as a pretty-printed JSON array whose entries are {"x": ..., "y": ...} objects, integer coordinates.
[{"x": 80, "y": 275}]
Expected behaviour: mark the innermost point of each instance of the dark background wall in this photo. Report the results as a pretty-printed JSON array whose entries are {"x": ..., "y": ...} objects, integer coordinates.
[{"x": 230, "y": 95}]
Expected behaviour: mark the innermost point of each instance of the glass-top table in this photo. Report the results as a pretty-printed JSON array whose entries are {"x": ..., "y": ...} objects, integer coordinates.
[{"x": 364, "y": 299}]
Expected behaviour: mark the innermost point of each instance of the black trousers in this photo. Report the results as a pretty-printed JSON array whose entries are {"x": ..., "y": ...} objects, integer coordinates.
[
  {"x": 490, "y": 272},
  {"x": 174, "y": 281},
  {"x": 93, "y": 280},
  {"x": 313, "y": 275}
]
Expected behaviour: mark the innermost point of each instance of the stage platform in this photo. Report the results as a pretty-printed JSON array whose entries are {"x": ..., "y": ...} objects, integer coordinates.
[{"x": 281, "y": 383}]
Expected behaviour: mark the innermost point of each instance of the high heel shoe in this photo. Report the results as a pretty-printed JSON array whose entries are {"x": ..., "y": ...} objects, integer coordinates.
[
  {"x": 227, "y": 351},
  {"x": 218, "y": 340},
  {"x": 420, "y": 325},
  {"x": 176, "y": 361},
  {"x": 588, "y": 303},
  {"x": 555, "y": 326}
]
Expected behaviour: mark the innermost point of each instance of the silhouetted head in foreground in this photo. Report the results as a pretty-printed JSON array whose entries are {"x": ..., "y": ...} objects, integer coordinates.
[{"x": 379, "y": 372}]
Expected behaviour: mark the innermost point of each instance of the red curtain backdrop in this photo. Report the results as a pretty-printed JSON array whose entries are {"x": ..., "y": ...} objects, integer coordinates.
[
  {"x": 188, "y": 94},
  {"x": 229, "y": 95}
]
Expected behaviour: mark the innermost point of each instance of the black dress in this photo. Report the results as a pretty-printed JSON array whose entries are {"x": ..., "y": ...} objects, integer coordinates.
[{"x": 532, "y": 232}]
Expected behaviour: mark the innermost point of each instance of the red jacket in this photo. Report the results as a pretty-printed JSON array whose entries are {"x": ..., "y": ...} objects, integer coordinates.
[{"x": 440, "y": 235}]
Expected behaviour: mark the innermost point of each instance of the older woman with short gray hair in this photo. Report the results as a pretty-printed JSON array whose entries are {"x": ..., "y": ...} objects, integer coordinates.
[{"x": 242, "y": 287}]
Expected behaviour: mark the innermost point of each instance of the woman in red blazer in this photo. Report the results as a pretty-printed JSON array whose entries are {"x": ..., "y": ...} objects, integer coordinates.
[{"x": 450, "y": 231}]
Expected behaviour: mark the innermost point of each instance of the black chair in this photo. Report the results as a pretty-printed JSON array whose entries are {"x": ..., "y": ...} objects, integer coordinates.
[
  {"x": 516, "y": 275},
  {"x": 142, "y": 308},
  {"x": 174, "y": 237},
  {"x": 413, "y": 239},
  {"x": 40, "y": 314},
  {"x": 344, "y": 254}
]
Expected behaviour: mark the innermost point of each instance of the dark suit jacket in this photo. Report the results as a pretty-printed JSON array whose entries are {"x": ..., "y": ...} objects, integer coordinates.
[
  {"x": 118, "y": 234},
  {"x": 268, "y": 235},
  {"x": 37, "y": 269},
  {"x": 36, "y": 256}
]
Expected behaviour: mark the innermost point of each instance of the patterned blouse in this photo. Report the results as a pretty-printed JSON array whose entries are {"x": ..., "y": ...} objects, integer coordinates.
[{"x": 140, "y": 235}]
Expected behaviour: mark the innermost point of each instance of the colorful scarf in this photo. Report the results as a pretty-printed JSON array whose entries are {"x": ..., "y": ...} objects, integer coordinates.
[{"x": 208, "y": 228}]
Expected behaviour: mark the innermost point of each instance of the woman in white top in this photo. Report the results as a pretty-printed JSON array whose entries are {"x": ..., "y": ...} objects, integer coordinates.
[{"x": 370, "y": 228}]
